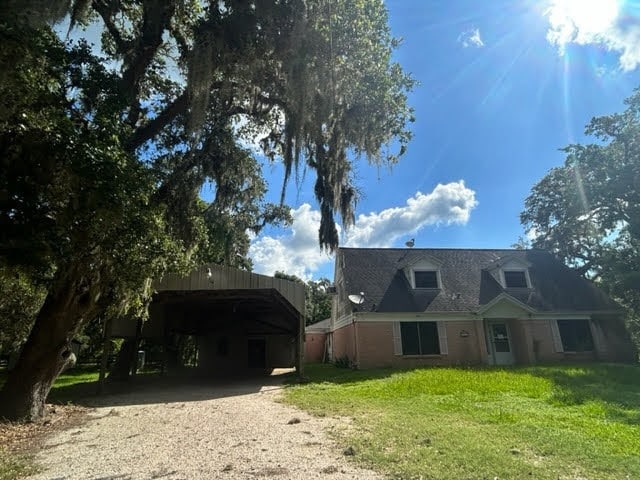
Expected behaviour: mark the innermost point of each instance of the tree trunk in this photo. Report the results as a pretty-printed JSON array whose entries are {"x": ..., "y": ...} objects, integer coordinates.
[{"x": 46, "y": 353}]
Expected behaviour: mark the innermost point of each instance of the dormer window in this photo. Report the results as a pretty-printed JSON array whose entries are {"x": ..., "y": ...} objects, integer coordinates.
[
  {"x": 425, "y": 279},
  {"x": 424, "y": 273},
  {"x": 515, "y": 279}
]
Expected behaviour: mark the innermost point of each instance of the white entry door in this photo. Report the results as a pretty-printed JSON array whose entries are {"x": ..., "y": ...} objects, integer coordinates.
[{"x": 499, "y": 343}]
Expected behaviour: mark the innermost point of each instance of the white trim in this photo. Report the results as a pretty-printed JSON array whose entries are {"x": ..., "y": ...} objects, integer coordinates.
[
  {"x": 508, "y": 298},
  {"x": 343, "y": 321},
  {"x": 412, "y": 274},
  {"x": 373, "y": 317},
  {"x": 442, "y": 338},
  {"x": 555, "y": 334},
  {"x": 598, "y": 337},
  {"x": 526, "y": 277},
  {"x": 561, "y": 316},
  {"x": 491, "y": 343},
  {"x": 397, "y": 339}
]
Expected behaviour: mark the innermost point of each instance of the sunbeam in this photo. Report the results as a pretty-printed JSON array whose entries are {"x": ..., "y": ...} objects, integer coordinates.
[{"x": 566, "y": 97}]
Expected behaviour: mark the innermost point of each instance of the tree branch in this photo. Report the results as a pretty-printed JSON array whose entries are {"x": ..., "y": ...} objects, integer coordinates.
[
  {"x": 156, "y": 19},
  {"x": 150, "y": 129},
  {"x": 105, "y": 10}
]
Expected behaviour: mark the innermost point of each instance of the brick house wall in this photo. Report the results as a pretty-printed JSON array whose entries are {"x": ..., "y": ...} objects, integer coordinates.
[
  {"x": 532, "y": 342},
  {"x": 375, "y": 346},
  {"x": 314, "y": 346},
  {"x": 343, "y": 343}
]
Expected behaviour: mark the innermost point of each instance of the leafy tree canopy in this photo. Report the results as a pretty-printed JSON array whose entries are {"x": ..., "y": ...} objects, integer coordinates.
[
  {"x": 318, "y": 299},
  {"x": 588, "y": 211},
  {"x": 104, "y": 156}
]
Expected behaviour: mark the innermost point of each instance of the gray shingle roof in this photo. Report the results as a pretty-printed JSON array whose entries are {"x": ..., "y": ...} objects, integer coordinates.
[{"x": 468, "y": 281}]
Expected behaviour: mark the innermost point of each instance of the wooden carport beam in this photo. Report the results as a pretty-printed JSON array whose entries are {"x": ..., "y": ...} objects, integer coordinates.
[{"x": 277, "y": 328}]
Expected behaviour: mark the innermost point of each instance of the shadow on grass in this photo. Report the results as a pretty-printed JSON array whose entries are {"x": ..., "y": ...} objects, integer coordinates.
[
  {"x": 616, "y": 387},
  {"x": 327, "y": 372}
]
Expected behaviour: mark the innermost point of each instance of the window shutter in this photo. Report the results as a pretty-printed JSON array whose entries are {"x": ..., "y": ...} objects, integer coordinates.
[
  {"x": 442, "y": 336},
  {"x": 599, "y": 342},
  {"x": 555, "y": 334},
  {"x": 397, "y": 339}
]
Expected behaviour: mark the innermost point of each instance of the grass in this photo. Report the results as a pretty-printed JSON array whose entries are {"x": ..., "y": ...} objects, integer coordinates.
[
  {"x": 555, "y": 422},
  {"x": 15, "y": 466}
]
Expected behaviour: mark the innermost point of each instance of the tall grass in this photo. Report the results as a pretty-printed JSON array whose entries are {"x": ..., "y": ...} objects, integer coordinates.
[{"x": 449, "y": 423}]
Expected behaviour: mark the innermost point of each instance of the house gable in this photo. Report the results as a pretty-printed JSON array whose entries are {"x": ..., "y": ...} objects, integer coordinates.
[{"x": 505, "y": 306}]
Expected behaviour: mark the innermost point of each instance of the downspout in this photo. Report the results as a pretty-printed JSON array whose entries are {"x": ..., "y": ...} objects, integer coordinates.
[{"x": 355, "y": 341}]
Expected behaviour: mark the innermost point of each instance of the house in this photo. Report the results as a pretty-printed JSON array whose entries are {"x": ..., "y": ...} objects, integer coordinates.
[{"x": 419, "y": 307}]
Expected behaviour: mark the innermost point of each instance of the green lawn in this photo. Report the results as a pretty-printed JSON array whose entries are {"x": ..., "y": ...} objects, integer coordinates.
[{"x": 556, "y": 422}]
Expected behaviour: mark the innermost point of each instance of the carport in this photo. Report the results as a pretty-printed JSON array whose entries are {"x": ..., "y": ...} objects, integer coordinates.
[{"x": 241, "y": 322}]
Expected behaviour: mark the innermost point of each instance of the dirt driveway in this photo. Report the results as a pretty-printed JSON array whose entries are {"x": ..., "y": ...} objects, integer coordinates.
[{"x": 198, "y": 431}]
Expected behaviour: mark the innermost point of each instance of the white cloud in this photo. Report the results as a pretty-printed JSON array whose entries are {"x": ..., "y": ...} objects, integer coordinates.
[
  {"x": 471, "y": 38},
  {"x": 298, "y": 253},
  {"x": 446, "y": 204},
  {"x": 595, "y": 22}
]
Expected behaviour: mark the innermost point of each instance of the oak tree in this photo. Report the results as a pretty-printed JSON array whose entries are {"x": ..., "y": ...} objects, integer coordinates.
[{"x": 587, "y": 211}]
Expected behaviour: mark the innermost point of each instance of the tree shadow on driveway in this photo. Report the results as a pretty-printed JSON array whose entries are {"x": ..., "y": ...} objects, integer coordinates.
[{"x": 156, "y": 388}]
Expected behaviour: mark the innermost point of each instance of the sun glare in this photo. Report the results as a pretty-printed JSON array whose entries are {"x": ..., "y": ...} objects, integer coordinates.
[{"x": 571, "y": 19}]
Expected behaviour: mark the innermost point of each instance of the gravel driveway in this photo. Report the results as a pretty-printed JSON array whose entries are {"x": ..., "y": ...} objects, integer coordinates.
[{"x": 198, "y": 431}]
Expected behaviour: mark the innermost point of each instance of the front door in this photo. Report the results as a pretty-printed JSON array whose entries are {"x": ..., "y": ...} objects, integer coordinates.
[{"x": 499, "y": 343}]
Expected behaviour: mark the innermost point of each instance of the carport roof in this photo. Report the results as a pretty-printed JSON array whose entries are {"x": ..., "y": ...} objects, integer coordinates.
[
  {"x": 210, "y": 278},
  {"x": 214, "y": 289}
]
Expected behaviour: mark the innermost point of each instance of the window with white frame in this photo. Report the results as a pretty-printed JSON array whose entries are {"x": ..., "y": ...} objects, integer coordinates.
[
  {"x": 515, "y": 279},
  {"x": 425, "y": 279},
  {"x": 420, "y": 338},
  {"x": 575, "y": 335}
]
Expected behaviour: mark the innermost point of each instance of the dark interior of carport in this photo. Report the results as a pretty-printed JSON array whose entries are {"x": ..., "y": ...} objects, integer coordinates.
[{"x": 230, "y": 332}]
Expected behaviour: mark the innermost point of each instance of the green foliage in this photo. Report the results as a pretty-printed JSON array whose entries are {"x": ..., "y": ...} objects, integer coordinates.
[
  {"x": 19, "y": 303},
  {"x": 342, "y": 362},
  {"x": 104, "y": 156},
  {"x": 544, "y": 422},
  {"x": 318, "y": 300},
  {"x": 588, "y": 211}
]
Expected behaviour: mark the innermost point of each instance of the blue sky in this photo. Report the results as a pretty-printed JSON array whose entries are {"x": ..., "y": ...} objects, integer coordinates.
[{"x": 503, "y": 86}]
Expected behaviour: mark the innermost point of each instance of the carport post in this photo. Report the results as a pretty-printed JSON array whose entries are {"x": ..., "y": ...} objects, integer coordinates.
[
  {"x": 300, "y": 348},
  {"x": 106, "y": 351}
]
